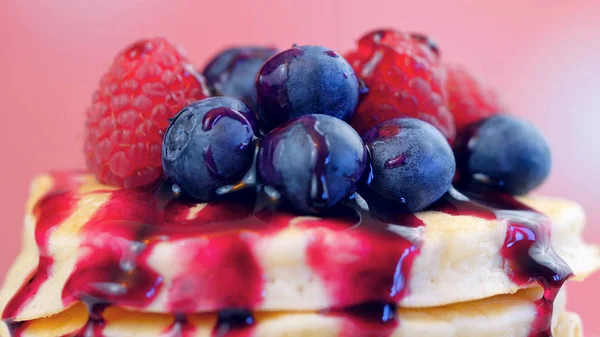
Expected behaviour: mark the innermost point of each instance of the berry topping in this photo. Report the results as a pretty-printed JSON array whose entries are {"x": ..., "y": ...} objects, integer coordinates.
[
  {"x": 405, "y": 79},
  {"x": 469, "y": 100},
  {"x": 233, "y": 71},
  {"x": 412, "y": 164},
  {"x": 504, "y": 153},
  {"x": 208, "y": 145},
  {"x": 314, "y": 161},
  {"x": 305, "y": 80},
  {"x": 146, "y": 85}
]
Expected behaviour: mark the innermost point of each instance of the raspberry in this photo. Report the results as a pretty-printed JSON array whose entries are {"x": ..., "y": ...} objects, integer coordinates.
[
  {"x": 469, "y": 100},
  {"x": 405, "y": 78},
  {"x": 148, "y": 83}
]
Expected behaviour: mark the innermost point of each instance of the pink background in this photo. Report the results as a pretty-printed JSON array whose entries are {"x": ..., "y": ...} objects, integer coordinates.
[{"x": 543, "y": 57}]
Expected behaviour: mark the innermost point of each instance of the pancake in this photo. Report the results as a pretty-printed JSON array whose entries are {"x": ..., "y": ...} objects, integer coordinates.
[
  {"x": 469, "y": 264},
  {"x": 504, "y": 315}
]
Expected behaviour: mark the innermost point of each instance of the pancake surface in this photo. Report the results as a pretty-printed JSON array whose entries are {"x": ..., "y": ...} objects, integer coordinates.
[{"x": 147, "y": 254}]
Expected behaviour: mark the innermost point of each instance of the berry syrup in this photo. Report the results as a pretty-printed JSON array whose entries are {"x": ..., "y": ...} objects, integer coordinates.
[
  {"x": 50, "y": 211},
  {"x": 528, "y": 255},
  {"x": 95, "y": 324},
  {"x": 181, "y": 327},
  {"x": 223, "y": 275}
]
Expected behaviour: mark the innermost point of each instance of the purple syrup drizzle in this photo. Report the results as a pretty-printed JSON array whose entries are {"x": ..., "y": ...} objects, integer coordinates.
[
  {"x": 181, "y": 327},
  {"x": 212, "y": 117},
  {"x": 319, "y": 192},
  {"x": 272, "y": 89},
  {"x": 527, "y": 252},
  {"x": 95, "y": 324},
  {"x": 331, "y": 53},
  {"x": 50, "y": 211}
]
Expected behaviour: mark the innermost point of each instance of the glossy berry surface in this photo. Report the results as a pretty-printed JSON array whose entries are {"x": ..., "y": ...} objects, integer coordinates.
[
  {"x": 412, "y": 164},
  {"x": 233, "y": 71},
  {"x": 208, "y": 145},
  {"x": 305, "y": 80},
  {"x": 405, "y": 78},
  {"x": 314, "y": 161},
  {"x": 469, "y": 99},
  {"x": 504, "y": 153},
  {"x": 148, "y": 83}
]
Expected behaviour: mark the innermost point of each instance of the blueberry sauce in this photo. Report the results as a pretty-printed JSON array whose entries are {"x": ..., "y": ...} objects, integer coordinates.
[
  {"x": 95, "y": 324},
  {"x": 319, "y": 192},
  {"x": 212, "y": 117},
  {"x": 15, "y": 328},
  {"x": 332, "y": 54},
  {"x": 382, "y": 258},
  {"x": 271, "y": 79},
  {"x": 371, "y": 319},
  {"x": 363, "y": 290},
  {"x": 234, "y": 323},
  {"x": 50, "y": 211},
  {"x": 528, "y": 255},
  {"x": 181, "y": 327}
]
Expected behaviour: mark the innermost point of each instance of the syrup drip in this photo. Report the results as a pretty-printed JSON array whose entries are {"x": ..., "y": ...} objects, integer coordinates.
[
  {"x": 234, "y": 323},
  {"x": 16, "y": 328},
  {"x": 272, "y": 80},
  {"x": 369, "y": 319},
  {"x": 331, "y": 53},
  {"x": 381, "y": 260},
  {"x": 95, "y": 324},
  {"x": 319, "y": 192},
  {"x": 50, "y": 211},
  {"x": 212, "y": 117},
  {"x": 122, "y": 235},
  {"x": 528, "y": 255},
  {"x": 181, "y": 327}
]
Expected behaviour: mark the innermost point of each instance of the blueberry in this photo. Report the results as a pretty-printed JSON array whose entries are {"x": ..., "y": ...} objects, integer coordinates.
[
  {"x": 305, "y": 80},
  {"x": 314, "y": 161},
  {"x": 208, "y": 145},
  {"x": 412, "y": 164},
  {"x": 503, "y": 153},
  {"x": 233, "y": 71}
]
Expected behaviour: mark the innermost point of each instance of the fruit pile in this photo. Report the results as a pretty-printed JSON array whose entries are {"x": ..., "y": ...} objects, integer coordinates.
[{"x": 390, "y": 120}]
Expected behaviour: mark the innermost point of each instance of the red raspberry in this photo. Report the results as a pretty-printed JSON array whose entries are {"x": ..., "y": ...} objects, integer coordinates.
[
  {"x": 148, "y": 83},
  {"x": 469, "y": 100},
  {"x": 405, "y": 78}
]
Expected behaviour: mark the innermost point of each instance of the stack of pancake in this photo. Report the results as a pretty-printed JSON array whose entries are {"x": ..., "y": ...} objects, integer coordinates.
[{"x": 103, "y": 261}]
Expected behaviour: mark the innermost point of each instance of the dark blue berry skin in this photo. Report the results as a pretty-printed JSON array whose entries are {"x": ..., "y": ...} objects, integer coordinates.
[
  {"x": 503, "y": 153},
  {"x": 233, "y": 71},
  {"x": 305, "y": 80},
  {"x": 208, "y": 145},
  {"x": 314, "y": 161},
  {"x": 412, "y": 165}
]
